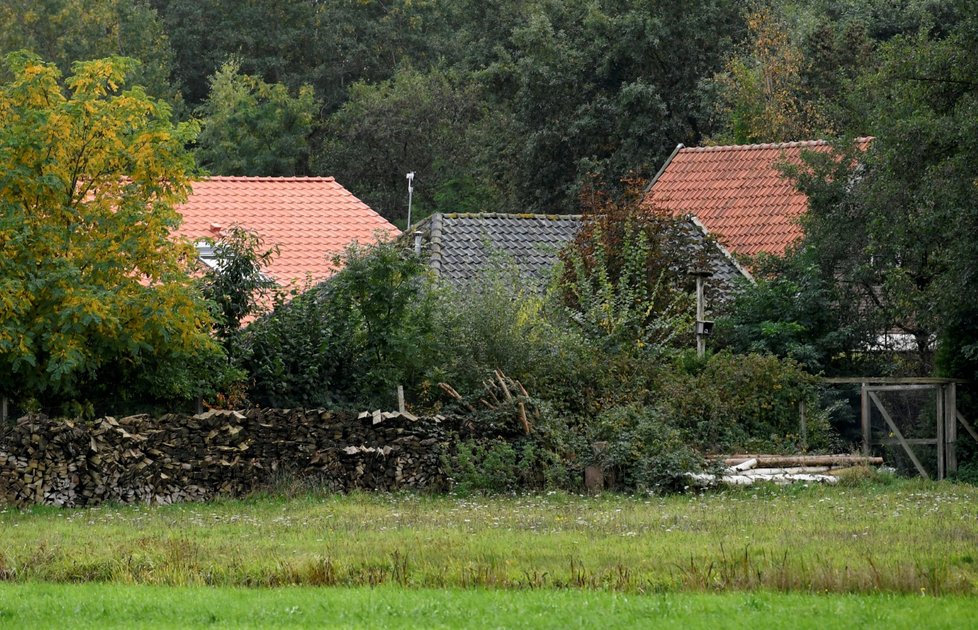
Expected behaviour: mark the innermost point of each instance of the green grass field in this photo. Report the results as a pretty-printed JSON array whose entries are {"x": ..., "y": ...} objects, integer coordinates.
[
  {"x": 903, "y": 538},
  {"x": 102, "y": 606}
]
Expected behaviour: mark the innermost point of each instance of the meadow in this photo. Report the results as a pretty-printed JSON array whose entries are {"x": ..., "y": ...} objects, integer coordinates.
[{"x": 903, "y": 537}]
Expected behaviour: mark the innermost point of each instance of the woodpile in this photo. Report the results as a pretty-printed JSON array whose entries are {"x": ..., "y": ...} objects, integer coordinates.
[
  {"x": 506, "y": 399},
  {"x": 745, "y": 470},
  {"x": 140, "y": 459}
]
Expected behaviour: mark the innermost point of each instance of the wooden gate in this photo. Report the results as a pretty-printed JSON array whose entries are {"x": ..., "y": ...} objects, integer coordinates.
[{"x": 946, "y": 419}]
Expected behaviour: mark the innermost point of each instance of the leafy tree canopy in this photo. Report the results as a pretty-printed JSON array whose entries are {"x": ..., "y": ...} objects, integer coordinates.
[
  {"x": 66, "y": 31},
  {"x": 90, "y": 282},
  {"x": 255, "y": 128}
]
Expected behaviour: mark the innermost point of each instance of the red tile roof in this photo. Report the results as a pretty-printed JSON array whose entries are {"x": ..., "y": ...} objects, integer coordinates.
[
  {"x": 738, "y": 193},
  {"x": 309, "y": 218}
]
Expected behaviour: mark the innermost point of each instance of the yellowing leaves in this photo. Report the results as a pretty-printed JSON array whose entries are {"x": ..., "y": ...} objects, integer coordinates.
[{"x": 91, "y": 173}]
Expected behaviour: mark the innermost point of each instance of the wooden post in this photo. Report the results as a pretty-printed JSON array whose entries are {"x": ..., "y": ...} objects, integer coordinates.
[
  {"x": 864, "y": 394},
  {"x": 400, "y": 398},
  {"x": 803, "y": 425},
  {"x": 700, "y": 316},
  {"x": 951, "y": 426},
  {"x": 3, "y": 409},
  {"x": 941, "y": 436}
]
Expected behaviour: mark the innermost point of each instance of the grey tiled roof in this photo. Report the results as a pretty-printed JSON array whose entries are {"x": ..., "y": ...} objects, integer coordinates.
[{"x": 461, "y": 248}]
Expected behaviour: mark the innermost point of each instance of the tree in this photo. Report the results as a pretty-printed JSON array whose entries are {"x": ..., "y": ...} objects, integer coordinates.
[
  {"x": 237, "y": 285},
  {"x": 895, "y": 227},
  {"x": 255, "y": 128},
  {"x": 95, "y": 297},
  {"x": 422, "y": 123},
  {"x": 66, "y": 31},
  {"x": 627, "y": 275},
  {"x": 594, "y": 88},
  {"x": 763, "y": 95}
]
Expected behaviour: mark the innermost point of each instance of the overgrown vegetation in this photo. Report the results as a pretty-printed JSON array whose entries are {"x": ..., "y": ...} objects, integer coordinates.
[
  {"x": 908, "y": 537},
  {"x": 540, "y": 377}
]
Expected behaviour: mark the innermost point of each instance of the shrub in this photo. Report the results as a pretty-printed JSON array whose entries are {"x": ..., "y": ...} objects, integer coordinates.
[
  {"x": 744, "y": 402},
  {"x": 643, "y": 450},
  {"x": 352, "y": 340}
]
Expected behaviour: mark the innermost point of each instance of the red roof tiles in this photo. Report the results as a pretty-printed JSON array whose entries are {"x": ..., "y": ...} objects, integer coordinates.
[
  {"x": 738, "y": 193},
  {"x": 310, "y": 219}
]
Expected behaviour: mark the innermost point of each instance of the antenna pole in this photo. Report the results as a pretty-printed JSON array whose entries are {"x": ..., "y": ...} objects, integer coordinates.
[{"x": 410, "y": 178}]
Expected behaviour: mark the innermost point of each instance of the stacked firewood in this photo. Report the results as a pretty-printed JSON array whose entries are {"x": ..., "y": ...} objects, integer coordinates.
[
  {"x": 745, "y": 470},
  {"x": 184, "y": 458}
]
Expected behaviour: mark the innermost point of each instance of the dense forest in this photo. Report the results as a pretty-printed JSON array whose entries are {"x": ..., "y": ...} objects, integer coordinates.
[{"x": 497, "y": 105}]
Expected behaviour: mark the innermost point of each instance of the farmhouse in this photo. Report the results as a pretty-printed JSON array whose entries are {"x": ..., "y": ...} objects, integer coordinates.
[
  {"x": 738, "y": 192},
  {"x": 310, "y": 219},
  {"x": 461, "y": 248}
]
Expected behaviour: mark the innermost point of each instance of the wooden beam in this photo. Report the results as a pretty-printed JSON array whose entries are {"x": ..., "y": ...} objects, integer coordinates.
[
  {"x": 867, "y": 434},
  {"x": 941, "y": 436},
  {"x": 951, "y": 427},
  {"x": 898, "y": 434},
  {"x": 903, "y": 388},
  {"x": 966, "y": 425},
  {"x": 891, "y": 380}
]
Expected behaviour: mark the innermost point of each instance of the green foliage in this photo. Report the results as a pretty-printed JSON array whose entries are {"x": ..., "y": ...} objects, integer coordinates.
[
  {"x": 493, "y": 466},
  {"x": 763, "y": 95},
  {"x": 383, "y": 304},
  {"x": 627, "y": 277},
  {"x": 498, "y": 322},
  {"x": 795, "y": 312},
  {"x": 644, "y": 450},
  {"x": 744, "y": 403},
  {"x": 422, "y": 123},
  {"x": 290, "y": 357},
  {"x": 67, "y": 31},
  {"x": 236, "y": 283},
  {"x": 593, "y": 88},
  {"x": 329, "y": 45},
  {"x": 353, "y": 339},
  {"x": 893, "y": 227},
  {"x": 95, "y": 297},
  {"x": 255, "y": 128}
]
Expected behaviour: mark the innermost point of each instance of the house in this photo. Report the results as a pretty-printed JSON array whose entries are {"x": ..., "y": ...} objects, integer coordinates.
[
  {"x": 461, "y": 248},
  {"x": 738, "y": 192},
  {"x": 310, "y": 219}
]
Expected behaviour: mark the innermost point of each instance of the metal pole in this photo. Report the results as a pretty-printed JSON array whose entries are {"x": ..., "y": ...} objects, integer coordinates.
[{"x": 410, "y": 178}]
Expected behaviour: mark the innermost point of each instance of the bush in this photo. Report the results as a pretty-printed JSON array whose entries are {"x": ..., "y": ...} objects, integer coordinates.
[
  {"x": 353, "y": 339},
  {"x": 744, "y": 403},
  {"x": 643, "y": 450}
]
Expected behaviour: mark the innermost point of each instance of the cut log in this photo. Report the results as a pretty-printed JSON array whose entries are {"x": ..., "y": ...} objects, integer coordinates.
[{"x": 785, "y": 461}]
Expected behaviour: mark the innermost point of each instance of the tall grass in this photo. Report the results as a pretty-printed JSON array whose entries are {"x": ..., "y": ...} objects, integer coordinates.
[{"x": 908, "y": 537}]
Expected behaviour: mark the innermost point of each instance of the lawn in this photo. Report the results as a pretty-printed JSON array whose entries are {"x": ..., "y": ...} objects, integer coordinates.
[
  {"x": 102, "y": 606},
  {"x": 907, "y": 537}
]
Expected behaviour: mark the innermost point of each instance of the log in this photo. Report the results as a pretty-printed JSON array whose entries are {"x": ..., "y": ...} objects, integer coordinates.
[{"x": 785, "y": 461}]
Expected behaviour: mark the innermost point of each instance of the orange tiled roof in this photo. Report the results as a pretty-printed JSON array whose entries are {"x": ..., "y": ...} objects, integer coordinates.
[
  {"x": 738, "y": 193},
  {"x": 309, "y": 218}
]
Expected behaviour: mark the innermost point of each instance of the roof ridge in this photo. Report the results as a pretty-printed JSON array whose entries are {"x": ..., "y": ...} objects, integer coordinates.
[
  {"x": 770, "y": 145},
  {"x": 508, "y": 215},
  {"x": 267, "y": 178},
  {"x": 756, "y": 147}
]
